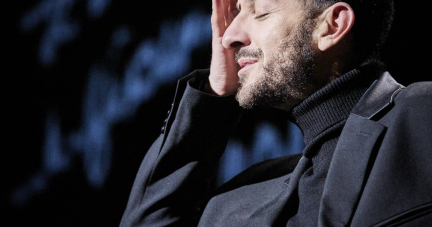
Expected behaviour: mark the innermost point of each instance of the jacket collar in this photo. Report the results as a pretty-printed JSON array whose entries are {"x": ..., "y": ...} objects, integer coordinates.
[{"x": 378, "y": 97}]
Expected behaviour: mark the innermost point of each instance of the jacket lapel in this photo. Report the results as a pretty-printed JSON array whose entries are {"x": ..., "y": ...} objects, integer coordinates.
[
  {"x": 347, "y": 170},
  {"x": 353, "y": 154}
]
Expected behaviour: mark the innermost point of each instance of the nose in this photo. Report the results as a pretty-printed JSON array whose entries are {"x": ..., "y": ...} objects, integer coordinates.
[{"x": 236, "y": 35}]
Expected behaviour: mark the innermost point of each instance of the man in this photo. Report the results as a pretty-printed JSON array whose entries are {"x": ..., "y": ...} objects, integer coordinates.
[{"x": 368, "y": 139}]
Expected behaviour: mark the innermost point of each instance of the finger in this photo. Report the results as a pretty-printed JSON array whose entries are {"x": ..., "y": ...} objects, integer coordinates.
[
  {"x": 233, "y": 11},
  {"x": 218, "y": 18},
  {"x": 226, "y": 5},
  {"x": 233, "y": 4}
]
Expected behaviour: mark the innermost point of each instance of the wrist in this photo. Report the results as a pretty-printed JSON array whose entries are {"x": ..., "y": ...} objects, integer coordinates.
[{"x": 219, "y": 89}]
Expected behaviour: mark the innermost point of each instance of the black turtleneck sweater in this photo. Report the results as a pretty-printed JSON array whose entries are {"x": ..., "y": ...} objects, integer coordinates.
[{"x": 321, "y": 118}]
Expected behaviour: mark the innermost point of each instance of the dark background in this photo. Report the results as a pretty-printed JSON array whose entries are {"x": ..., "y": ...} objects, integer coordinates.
[{"x": 88, "y": 84}]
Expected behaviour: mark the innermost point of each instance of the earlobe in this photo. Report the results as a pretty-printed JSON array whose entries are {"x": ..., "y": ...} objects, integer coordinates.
[{"x": 335, "y": 24}]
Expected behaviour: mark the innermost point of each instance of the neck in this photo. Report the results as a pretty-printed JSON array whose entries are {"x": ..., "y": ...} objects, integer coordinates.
[
  {"x": 334, "y": 102},
  {"x": 326, "y": 71}
]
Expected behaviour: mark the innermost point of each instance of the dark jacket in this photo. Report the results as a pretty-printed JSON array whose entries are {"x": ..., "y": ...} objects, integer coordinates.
[{"x": 380, "y": 174}]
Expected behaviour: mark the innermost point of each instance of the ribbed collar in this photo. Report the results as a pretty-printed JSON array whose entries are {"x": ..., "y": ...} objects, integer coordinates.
[{"x": 333, "y": 103}]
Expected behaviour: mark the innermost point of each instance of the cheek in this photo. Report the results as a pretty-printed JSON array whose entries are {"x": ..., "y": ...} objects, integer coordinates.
[
  {"x": 268, "y": 38},
  {"x": 267, "y": 43}
]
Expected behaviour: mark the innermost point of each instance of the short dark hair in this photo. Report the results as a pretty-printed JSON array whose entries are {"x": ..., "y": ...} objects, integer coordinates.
[{"x": 371, "y": 27}]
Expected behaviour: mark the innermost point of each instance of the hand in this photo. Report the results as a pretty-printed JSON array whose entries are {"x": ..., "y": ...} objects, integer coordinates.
[{"x": 223, "y": 70}]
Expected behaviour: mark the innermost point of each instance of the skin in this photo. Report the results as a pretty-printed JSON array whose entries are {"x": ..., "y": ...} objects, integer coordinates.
[
  {"x": 285, "y": 77},
  {"x": 278, "y": 65}
]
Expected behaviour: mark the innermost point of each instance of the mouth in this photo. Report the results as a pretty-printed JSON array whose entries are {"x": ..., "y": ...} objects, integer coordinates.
[{"x": 245, "y": 64}]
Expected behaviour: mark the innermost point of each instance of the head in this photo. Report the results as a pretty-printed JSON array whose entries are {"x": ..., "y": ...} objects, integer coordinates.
[{"x": 288, "y": 49}]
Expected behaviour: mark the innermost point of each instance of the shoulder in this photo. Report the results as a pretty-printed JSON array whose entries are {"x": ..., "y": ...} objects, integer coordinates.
[
  {"x": 416, "y": 93},
  {"x": 415, "y": 99},
  {"x": 412, "y": 111}
]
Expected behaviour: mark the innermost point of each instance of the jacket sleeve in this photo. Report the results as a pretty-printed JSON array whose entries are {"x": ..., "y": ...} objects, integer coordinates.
[{"x": 172, "y": 183}]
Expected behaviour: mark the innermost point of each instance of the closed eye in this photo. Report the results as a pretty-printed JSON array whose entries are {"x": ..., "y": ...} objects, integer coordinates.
[{"x": 261, "y": 16}]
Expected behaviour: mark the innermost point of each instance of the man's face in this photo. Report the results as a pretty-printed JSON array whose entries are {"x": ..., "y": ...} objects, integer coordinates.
[{"x": 274, "y": 49}]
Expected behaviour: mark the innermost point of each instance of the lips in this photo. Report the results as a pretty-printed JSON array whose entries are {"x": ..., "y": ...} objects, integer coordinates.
[{"x": 245, "y": 64}]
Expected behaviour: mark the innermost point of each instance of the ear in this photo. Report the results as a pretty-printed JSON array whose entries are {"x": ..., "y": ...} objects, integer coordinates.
[{"x": 335, "y": 23}]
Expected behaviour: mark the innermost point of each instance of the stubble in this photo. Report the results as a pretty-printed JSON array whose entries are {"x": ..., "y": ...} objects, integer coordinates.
[{"x": 287, "y": 78}]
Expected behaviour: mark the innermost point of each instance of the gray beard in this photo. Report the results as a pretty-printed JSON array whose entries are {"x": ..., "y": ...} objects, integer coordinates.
[{"x": 287, "y": 78}]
